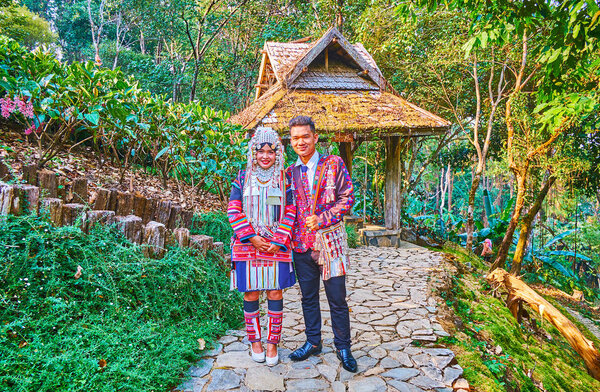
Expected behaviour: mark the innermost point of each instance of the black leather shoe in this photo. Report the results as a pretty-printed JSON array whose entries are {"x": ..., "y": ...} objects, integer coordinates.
[
  {"x": 306, "y": 351},
  {"x": 348, "y": 361}
]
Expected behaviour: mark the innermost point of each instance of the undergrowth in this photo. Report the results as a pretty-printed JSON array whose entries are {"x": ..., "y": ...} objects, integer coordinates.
[
  {"x": 353, "y": 237},
  {"x": 498, "y": 354},
  {"x": 127, "y": 323},
  {"x": 214, "y": 224}
]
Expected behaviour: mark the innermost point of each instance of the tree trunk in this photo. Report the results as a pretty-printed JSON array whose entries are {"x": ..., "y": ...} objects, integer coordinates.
[
  {"x": 118, "y": 32},
  {"x": 526, "y": 226},
  {"x": 194, "y": 80},
  {"x": 142, "y": 42},
  {"x": 514, "y": 220},
  {"x": 450, "y": 188},
  {"x": 519, "y": 292},
  {"x": 470, "y": 209}
]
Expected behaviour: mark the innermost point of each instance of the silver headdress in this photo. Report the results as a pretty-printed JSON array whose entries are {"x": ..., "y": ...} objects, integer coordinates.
[{"x": 264, "y": 189}]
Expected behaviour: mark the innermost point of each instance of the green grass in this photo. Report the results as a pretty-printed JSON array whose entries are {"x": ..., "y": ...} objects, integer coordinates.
[
  {"x": 214, "y": 224},
  {"x": 141, "y": 317},
  {"x": 485, "y": 322}
]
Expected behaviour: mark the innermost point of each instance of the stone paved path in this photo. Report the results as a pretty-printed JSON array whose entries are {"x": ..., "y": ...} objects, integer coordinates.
[{"x": 394, "y": 334}]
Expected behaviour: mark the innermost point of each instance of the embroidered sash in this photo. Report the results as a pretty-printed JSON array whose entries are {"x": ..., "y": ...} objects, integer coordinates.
[{"x": 331, "y": 243}]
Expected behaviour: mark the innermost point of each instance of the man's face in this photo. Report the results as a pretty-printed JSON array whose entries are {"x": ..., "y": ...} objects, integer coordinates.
[{"x": 303, "y": 140}]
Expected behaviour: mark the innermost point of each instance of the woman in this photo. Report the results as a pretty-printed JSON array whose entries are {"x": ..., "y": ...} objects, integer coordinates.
[
  {"x": 261, "y": 213},
  {"x": 487, "y": 251}
]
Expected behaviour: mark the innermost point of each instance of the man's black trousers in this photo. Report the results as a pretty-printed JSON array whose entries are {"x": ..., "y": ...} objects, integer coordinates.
[{"x": 309, "y": 278}]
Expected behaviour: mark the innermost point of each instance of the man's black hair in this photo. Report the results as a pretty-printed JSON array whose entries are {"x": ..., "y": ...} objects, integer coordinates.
[{"x": 302, "y": 120}]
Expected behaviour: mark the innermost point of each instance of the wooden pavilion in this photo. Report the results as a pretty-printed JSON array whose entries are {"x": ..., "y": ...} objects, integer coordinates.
[{"x": 341, "y": 87}]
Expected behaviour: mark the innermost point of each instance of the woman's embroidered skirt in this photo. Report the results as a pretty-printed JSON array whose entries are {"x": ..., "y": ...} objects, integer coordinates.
[{"x": 255, "y": 275}]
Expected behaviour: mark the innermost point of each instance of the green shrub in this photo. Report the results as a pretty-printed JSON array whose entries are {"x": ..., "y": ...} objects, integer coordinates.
[
  {"x": 58, "y": 104},
  {"x": 353, "y": 237},
  {"x": 215, "y": 224},
  {"x": 127, "y": 323}
]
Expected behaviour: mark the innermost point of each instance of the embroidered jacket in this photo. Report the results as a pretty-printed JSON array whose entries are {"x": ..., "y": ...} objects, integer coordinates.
[
  {"x": 241, "y": 247},
  {"x": 334, "y": 199}
]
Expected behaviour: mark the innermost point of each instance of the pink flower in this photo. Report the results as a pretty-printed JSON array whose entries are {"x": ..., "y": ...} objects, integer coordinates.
[
  {"x": 7, "y": 106},
  {"x": 26, "y": 108},
  {"x": 30, "y": 130}
]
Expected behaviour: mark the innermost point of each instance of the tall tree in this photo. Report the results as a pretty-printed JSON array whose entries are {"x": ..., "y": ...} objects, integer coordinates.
[{"x": 24, "y": 26}]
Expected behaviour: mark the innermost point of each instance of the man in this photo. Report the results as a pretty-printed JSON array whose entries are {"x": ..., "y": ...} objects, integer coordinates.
[{"x": 324, "y": 194}]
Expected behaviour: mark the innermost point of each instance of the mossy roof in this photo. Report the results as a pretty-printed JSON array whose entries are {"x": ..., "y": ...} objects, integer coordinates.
[
  {"x": 341, "y": 112},
  {"x": 345, "y": 93}
]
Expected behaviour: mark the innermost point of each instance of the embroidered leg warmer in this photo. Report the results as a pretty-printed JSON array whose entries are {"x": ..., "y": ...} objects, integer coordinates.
[
  {"x": 275, "y": 320},
  {"x": 251, "y": 317}
]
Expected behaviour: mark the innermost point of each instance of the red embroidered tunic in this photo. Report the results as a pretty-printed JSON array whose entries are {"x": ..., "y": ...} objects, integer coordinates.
[
  {"x": 241, "y": 248},
  {"x": 333, "y": 202}
]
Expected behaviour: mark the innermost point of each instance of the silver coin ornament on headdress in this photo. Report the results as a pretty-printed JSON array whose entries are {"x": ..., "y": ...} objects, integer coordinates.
[{"x": 264, "y": 188}]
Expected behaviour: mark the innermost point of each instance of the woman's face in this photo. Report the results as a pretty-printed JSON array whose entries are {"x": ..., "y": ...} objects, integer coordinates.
[{"x": 265, "y": 156}]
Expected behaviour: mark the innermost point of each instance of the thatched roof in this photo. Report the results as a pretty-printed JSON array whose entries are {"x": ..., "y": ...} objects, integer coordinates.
[{"x": 339, "y": 85}]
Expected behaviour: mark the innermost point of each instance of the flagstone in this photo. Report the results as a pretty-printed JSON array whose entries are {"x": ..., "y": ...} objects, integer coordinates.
[{"x": 391, "y": 307}]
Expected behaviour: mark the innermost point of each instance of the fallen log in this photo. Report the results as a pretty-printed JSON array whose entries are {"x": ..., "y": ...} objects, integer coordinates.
[{"x": 519, "y": 292}]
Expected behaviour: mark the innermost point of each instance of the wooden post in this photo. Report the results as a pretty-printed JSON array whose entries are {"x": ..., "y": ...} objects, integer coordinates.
[
  {"x": 154, "y": 239},
  {"x": 28, "y": 199},
  {"x": 79, "y": 191},
  {"x": 182, "y": 237},
  {"x": 30, "y": 174},
  {"x": 175, "y": 217},
  {"x": 19, "y": 199},
  {"x": 52, "y": 207},
  {"x": 149, "y": 210},
  {"x": 5, "y": 171},
  {"x": 347, "y": 154},
  {"x": 201, "y": 242},
  {"x": 71, "y": 212},
  {"x": 163, "y": 212},
  {"x": 63, "y": 188},
  {"x": 124, "y": 203},
  {"x": 102, "y": 200},
  {"x": 7, "y": 194},
  {"x": 103, "y": 217},
  {"x": 49, "y": 183},
  {"x": 131, "y": 226},
  {"x": 139, "y": 205},
  {"x": 186, "y": 218},
  {"x": 112, "y": 201},
  {"x": 219, "y": 247},
  {"x": 392, "y": 212}
]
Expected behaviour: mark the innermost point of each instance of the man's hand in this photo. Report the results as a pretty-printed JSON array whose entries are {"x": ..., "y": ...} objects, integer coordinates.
[
  {"x": 260, "y": 243},
  {"x": 273, "y": 248},
  {"x": 312, "y": 222}
]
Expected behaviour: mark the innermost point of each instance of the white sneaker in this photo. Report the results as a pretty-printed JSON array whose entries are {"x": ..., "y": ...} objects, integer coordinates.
[
  {"x": 272, "y": 361},
  {"x": 257, "y": 357}
]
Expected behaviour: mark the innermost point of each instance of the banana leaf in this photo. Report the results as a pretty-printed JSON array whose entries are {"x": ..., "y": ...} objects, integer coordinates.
[
  {"x": 569, "y": 253},
  {"x": 506, "y": 212},
  {"x": 489, "y": 210},
  {"x": 551, "y": 262},
  {"x": 560, "y": 237}
]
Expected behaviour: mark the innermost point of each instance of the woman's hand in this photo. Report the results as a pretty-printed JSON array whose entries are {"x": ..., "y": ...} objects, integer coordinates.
[
  {"x": 273, "y": 248},
  {"x": 260, "y": 243}
]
